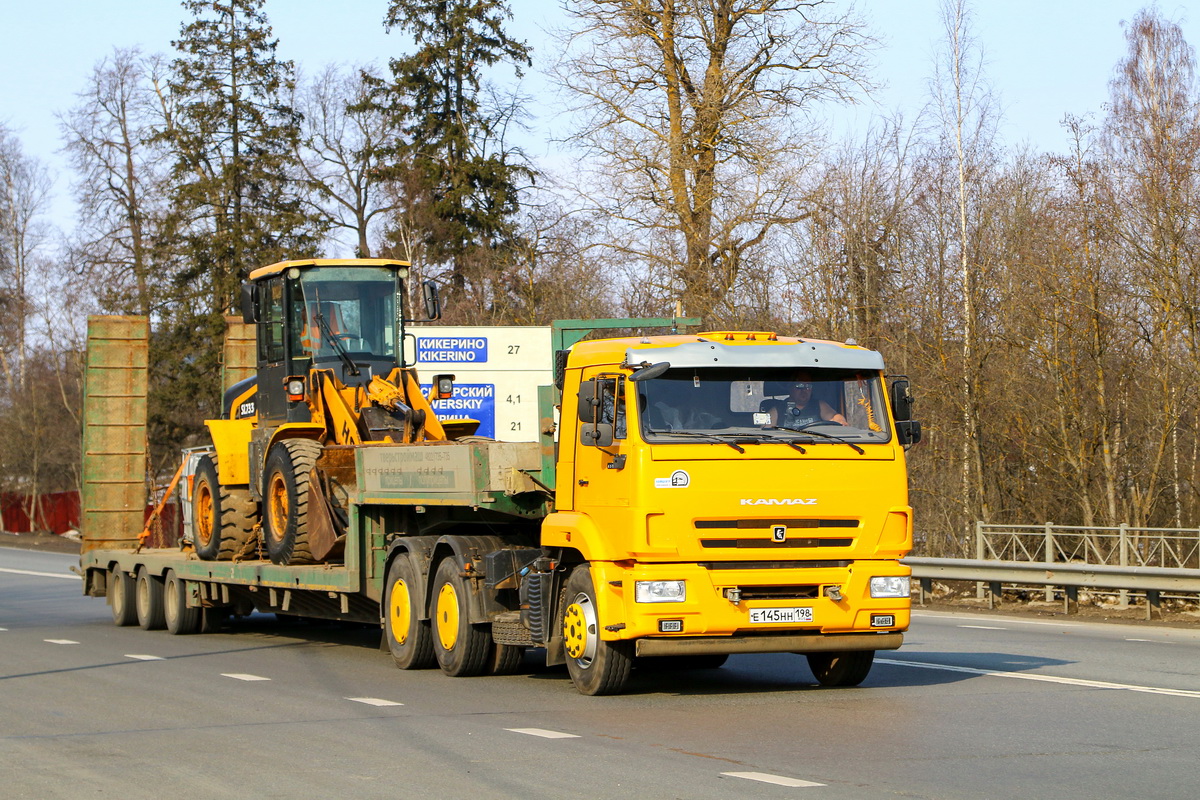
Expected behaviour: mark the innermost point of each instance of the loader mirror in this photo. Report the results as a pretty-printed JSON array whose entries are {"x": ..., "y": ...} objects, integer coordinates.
[
  {"x": 901, "y": 400},
  {"x": 596, "y": 434},
  {"x": 433, "y": 304},
  {"x": 589, "y": 400},
  {"x": 249, "y": 303}
]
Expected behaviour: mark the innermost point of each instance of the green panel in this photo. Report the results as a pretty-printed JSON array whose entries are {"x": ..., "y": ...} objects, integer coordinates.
[{"x": 114, "y": 432}]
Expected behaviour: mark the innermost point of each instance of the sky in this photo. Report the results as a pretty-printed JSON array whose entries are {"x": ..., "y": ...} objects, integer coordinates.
[{"x": 1044, "y": 58}]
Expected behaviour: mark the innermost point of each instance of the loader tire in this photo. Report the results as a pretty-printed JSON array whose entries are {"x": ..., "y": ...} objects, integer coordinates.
[
  {"x": 223, "y": 517},
  {"x": 286, "y": 481}
]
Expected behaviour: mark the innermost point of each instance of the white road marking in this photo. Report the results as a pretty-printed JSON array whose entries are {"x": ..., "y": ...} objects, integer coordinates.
[
  {"x": 39, "y": 574},
  {"x": 3, "y": 629},
  {"x": 778, "y": 780},
  {"x": 545, "y": 734},
  {"x": 60, "y": 641},
  {"x": 1013, "y": 620},
  {"x": 374, "y": 701},
  {"x": 1152, "y": 641},
  {"x": 241, "y": 676},
  {"x": 1029, "y": 676},
  {"x": 141, "y": 657},
  {"x": 984, "y": 627}
]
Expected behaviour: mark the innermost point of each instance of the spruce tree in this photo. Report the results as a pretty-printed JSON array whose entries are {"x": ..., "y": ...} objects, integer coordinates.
[
  {"x": 234, "y": 135},
  {"x": 461, "y": 182}
]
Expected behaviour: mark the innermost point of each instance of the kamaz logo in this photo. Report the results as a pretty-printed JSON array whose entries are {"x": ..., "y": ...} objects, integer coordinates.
[{"x": 779, "y": 501}]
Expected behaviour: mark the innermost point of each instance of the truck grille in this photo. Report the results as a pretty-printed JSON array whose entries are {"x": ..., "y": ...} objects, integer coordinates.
[{"x": 768, "y": 543}]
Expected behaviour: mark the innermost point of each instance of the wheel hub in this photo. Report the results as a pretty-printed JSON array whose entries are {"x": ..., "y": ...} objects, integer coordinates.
[
  {"x": 447, "y": 617},
  {"x": 580, "y": 630},
  {"x": 399, "y": 611}
]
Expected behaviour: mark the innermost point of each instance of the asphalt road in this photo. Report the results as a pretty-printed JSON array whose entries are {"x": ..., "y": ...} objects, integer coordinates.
[{"x": 971, "y": 707}]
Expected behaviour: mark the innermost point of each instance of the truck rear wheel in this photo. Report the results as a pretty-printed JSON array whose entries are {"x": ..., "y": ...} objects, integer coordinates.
[
  {"x": 286, "y": 480},
  {"x": 841, "y": 669},
  {"x": 461, "y": 648},
  {"x": 149, "y": 601},
  {"x": 180, "y": 619},
  {"x": 596, "y": 666},
  {"x": 122, "y": 596},
  {"x": 409, "y": 638},
  {"x": 222, "y": 517}
]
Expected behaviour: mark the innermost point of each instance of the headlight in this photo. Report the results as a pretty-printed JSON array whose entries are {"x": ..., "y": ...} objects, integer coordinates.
[
  {"x": 889, "y": 587},
  {"x": 659, "y": 591}
]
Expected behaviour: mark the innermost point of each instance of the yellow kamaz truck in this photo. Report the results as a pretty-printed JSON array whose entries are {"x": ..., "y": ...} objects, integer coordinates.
[{"x": 691, "y": 495}]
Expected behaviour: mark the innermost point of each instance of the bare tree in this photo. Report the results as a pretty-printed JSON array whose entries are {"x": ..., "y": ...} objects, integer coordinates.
[
  {"x": 340, "y": 153},
  {"x": 693, "y": 111},
  {"x": 121, "y": 180},
  {"x": 962, "y": 105},
  {"x": 24, "y": 197}
]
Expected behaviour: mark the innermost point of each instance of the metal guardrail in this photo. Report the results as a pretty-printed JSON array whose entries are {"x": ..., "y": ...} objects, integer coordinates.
[
  {"x": 1120, "y": 545},
  {"x": 1072, "y": 577}
]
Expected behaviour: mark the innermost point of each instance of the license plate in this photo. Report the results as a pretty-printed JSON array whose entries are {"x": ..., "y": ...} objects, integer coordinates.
[{"x": 760, "y": 616}]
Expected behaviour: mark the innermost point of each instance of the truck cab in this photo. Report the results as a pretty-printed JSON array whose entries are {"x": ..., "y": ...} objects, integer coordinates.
[{"x": 735, "y": 492}]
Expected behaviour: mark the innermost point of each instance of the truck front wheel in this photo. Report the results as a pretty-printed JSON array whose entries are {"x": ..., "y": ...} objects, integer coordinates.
[
  {"x": 286, "y": 480},
  {"x": 462, "y": 649},
  {"x": 409, "y": 637},
  {"x": 841, "y": 669},
  {"x": 596, "y": 666}
]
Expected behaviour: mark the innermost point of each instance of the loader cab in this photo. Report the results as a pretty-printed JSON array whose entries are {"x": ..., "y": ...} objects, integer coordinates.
[{"x": 343, "y": 316}]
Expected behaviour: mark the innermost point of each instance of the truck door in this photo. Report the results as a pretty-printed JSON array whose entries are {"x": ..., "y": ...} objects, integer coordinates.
[{"x": 601, "y": 479}]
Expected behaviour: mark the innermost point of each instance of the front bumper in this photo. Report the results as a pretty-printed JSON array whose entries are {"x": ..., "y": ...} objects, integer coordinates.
[{"x": 710, "y": 621}]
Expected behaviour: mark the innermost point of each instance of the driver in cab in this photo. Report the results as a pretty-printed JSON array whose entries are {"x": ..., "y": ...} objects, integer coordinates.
[{"x": 800, "y": 409}]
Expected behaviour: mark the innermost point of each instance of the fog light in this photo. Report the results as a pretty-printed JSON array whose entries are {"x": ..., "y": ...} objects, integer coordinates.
[
  {"x": 659, "y": 591},
  {"x": 889, "y": 587},
  {"x": 670, "y": 626}
]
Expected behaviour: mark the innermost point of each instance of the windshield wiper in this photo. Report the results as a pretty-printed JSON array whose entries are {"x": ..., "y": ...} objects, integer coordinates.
[
  {"x": 335, "y": 343},
  {"x": 809, "y": 432},
  {"x": 710, "y": 437}
]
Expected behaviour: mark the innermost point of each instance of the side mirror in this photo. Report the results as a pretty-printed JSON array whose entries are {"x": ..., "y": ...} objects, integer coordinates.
[
  {"x": 901, "y": 400},
  {"x": 249, "y": 303},
  {"x": 590, "y": 398},
  {"x": 652, "y": 371},
  {"x": 908, "y": 431},
  {"x": 433, "y": 304},
  {"x": 596, "y": 434}
]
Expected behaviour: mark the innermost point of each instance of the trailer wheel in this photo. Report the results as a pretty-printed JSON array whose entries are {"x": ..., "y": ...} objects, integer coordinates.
[
  {"x": 285, "y": 500},
  {"x": 122, "y": 596},
  {"x": 180, "y": 619},
  {"x": 149, "y": 601},
  {"x": 409, "y": 638},
  {"x": 596, "y": 666},
  {"x": 841, "y": 669},
  {"x": 223, "y": 517},
  {"x": 461, "y": 648}
]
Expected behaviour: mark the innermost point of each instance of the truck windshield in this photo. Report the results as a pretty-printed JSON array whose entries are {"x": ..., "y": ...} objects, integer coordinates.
[
  {"x": 763, "y": 405},
  {"x": 355, "y": 306}
]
